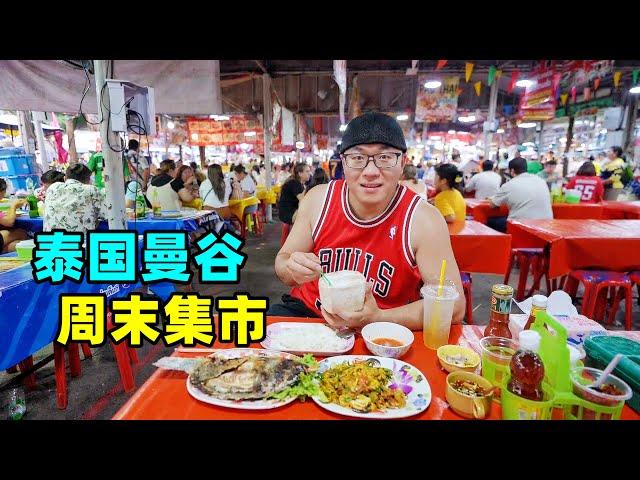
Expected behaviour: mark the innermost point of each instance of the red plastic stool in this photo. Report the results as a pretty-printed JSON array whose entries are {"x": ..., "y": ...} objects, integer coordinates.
[
  {"x": 598, "y": 284},
  {"x": 257, "y": 222},
  {"x": 527, "y": 258},
  {"x": 286, "y": 228},
  {"x": 125, "y": 357},
  {"x": 466, "y": 286}
]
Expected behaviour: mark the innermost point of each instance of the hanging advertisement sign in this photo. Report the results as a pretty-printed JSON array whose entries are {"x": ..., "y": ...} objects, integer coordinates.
[
  {"x": 437, "y": 105},
  {"x": 539, "y": 100},
  {"x": 208, "y": 132}
]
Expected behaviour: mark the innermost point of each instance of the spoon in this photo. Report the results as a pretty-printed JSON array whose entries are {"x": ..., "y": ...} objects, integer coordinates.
[
  {"x": 612, "y": 365},
  {"x": 345, "y": 332}
]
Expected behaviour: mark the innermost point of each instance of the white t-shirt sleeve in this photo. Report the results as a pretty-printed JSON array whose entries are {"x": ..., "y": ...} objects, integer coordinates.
[
  {"x": 502, "y": 195},
  {"x": 471, "y": 184}
]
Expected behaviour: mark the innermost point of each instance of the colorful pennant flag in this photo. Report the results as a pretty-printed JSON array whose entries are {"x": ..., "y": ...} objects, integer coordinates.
[
  {"x": 616, "y": 79},
  {"x": 441, "y": 64},
  {"x": 468, "y": 69},
  {"x": 635, "y": 76},
  {"x": 498, "y": 73},
  {"x": 492, "y": 74},
  {"x": 478, "y": 87},
  {"x": 514, "y": 78},
  {"x": 563, "y": 98},
  {"x": 574, "y": 93}
]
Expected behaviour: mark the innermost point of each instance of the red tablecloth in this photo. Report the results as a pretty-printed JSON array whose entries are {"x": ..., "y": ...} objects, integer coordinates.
[
  {"x": 620, "y": 210},
  {"x": 478, "y": 248},
  {"x": 482, "y": 210},
  {"x": 164, "y": 395},
  {"x": 581, "y": 244}
]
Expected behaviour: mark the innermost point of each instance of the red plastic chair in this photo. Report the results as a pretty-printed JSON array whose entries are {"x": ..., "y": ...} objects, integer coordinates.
[
  {"x": 466, "y": 286},
  {"x": 286, "y": 228},
  {"x": 598, "y": 285}
]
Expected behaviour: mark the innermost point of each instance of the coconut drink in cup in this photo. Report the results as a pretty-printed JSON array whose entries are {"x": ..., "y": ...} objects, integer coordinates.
[{"x": 343, "y": 290}]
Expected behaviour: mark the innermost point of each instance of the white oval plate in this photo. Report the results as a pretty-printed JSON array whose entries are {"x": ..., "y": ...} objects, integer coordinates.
[
  {"x": 275, "y": 329},
  {"x": 405, "y": 376},
  {"x": 241, "y": 404}
]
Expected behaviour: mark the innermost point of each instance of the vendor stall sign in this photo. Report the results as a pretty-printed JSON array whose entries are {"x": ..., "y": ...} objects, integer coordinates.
[
  {"x": 437, "y": 105},
  {"x": 583, "y": 108},
  {"x": 539, "y": 100},
  {"x": 236, "y": 130}
]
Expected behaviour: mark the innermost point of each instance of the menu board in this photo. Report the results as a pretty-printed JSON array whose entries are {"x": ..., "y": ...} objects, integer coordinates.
[{"x": 204, "y": 131}]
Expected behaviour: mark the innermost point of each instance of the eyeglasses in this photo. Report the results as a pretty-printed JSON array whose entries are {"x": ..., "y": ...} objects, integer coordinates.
[{"x": 380, "y": 160}]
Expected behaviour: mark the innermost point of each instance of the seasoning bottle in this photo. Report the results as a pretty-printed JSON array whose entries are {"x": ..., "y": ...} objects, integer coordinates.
[
  {"x": 539, "y": 305},
  {"x": 527, "y": 369},
  {"x": 501, "y": 296}
]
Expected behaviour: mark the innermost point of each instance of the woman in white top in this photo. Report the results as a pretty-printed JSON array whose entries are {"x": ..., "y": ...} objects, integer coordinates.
[
  {"x": 410, "y": 181},
  {"x": 215, "y": 191}
]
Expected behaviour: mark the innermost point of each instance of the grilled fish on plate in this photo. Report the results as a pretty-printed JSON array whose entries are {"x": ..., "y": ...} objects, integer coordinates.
[{"x": 249, "y": 377}]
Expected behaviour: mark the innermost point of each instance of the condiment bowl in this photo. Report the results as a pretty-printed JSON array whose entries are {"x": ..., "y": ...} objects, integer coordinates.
[
  {"x": 469, "y": 406},
  {"x": 390, "y": 330},
  {"x": 471, "y": 359}
]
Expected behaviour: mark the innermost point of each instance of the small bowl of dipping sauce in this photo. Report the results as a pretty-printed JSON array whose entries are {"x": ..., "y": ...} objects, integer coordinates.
[{"x": 386, "y": 339}]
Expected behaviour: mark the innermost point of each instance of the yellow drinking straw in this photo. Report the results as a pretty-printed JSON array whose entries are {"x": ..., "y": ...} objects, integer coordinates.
[{"x": 441, "y": 284}]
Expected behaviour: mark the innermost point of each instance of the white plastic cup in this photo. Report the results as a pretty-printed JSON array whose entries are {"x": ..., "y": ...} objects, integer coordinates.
[
  {"x": 345, "y": 293},
  {"x": 438, "y": 313}
]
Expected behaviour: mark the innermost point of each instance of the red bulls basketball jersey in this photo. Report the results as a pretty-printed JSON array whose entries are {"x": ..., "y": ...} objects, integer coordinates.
[{"x": 378, "y": 248}]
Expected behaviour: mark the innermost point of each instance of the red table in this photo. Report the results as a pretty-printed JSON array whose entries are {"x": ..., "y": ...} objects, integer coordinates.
[
  {"x": 482, "y": 210},
  {"x": 581, "y": 244},
  {"x": 620, "y": 210},
  {"x": 164, "y": 395},
  {"x": 478, "y": 248}
]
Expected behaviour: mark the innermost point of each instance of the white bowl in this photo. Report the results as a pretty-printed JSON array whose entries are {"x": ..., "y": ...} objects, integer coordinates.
[{"x": 387, "y": 330}]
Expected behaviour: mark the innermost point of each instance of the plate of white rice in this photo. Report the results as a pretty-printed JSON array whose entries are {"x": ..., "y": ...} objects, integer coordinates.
[{"x": 300, "y": 338}]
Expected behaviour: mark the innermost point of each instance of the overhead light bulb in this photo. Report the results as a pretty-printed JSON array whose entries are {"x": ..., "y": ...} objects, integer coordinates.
[
  {"x": 432, "y": 84},
  {"x": 524, "y": 83},
  {"x": 635, "y": 89},
  {"x": 500, "y": 130},
  {"x": 343, "y": 127},
  {"x": 299, "y": 145},
  {"x": 451, "y": 132},
  {"x": 402, "y": 117},
  {"x": 526, "y": 125},
  {"x": 171, "y": 125},
  {"x": 249, "y": 134}
]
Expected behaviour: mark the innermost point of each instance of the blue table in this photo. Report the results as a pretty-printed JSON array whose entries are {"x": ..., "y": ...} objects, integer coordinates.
[
  {"x": 189, "y": 223},
  {"x": 29, "y": 315}
]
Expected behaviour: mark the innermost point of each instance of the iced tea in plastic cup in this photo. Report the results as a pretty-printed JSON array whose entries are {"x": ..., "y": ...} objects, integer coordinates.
[{"x": 438, "y": 313}]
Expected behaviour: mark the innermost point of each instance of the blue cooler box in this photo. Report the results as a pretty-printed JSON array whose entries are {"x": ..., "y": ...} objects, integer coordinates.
[
  {"x": 16, "y": 164},
  {"x": 19, "y": 182}
]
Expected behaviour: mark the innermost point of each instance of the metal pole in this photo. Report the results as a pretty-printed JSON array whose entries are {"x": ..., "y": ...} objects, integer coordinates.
[
  {"x": 44, "y": 158},
  {"x": 28, "y": 143},
  {"x": 113, "y": 174},
  {"x": 266, "y": 125},
  {"x": 540, "y": 145},
  {"x": 493, "y": 103}
]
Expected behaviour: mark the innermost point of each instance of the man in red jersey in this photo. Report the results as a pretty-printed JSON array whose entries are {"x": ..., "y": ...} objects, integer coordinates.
[{"x": 369, "y": 223}]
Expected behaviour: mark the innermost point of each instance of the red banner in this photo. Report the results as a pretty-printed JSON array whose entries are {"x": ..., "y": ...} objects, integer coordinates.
[{"x": 539, "y": 101}]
